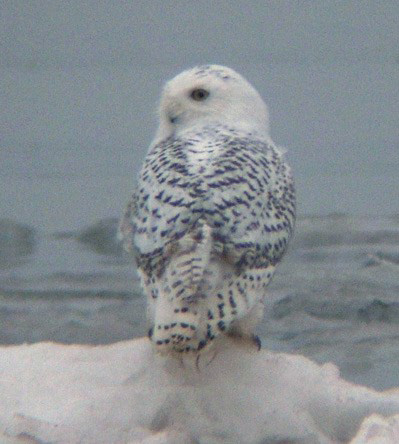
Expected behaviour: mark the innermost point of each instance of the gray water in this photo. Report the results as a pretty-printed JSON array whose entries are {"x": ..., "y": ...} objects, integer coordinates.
[{"x": 79, "y": 84}]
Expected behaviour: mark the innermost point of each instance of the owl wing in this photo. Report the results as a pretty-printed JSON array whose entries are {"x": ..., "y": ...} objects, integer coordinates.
[{"x": 251, "y": 203}]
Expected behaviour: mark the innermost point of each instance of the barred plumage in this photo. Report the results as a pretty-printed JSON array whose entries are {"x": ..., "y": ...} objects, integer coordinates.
[{"x": 213, "y": 211}]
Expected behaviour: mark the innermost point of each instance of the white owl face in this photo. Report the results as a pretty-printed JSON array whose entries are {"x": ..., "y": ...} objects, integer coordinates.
[{"x": 210, "y": 94}]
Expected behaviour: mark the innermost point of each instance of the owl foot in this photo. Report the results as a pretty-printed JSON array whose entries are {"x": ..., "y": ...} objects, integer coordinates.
[
  {"x": 256, "y": 340},
  {"x": 208, "y": 363}
]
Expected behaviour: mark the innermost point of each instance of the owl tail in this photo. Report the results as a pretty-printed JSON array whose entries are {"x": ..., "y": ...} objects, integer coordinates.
[
  {"x": 175, "y": 326},
  {"x": 176, "y": 313}
]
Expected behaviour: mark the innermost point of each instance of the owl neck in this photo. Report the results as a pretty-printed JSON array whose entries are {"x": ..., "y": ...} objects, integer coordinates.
[
  {"x": 217, "y": 127},
  {"x": 214, "y": 126}
]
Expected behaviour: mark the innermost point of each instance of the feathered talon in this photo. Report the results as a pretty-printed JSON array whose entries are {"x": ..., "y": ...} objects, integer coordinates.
[{"x": 257, "y": 341}]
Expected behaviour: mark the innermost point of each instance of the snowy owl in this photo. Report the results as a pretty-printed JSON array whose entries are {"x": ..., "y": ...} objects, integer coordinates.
[{"x": 212, "y": 213}]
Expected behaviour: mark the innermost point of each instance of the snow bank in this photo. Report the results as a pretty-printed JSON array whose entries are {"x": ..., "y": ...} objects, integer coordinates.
[
  {"x": 123, "y": 393},
  {"x": 378, "y": 430}
]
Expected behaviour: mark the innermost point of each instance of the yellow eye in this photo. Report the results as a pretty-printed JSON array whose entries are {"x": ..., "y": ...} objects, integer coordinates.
[{"x": 199, "y": 94}]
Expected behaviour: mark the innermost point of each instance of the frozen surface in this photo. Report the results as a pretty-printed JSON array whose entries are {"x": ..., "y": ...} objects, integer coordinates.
[{"x": 123, "y": 393}]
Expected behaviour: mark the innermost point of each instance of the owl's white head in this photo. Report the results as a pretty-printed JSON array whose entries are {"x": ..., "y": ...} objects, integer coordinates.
[{"x": 211, "y": 94}]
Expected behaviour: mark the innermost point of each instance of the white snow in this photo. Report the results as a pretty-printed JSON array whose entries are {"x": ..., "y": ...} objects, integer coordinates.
[{"x": 124, "y": 393}]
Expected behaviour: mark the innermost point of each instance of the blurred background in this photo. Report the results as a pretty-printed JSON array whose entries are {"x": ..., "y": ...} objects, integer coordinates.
[{"x": 79, "y": 85}]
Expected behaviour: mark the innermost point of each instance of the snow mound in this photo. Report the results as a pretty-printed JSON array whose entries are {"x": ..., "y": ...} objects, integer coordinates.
[{"x": 124, "y": 393}]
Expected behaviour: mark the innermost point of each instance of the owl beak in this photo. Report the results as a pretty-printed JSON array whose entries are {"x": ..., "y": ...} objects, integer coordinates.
[
  {"x": 174, "y": 112},
  {"x": 173, "y": 118}
]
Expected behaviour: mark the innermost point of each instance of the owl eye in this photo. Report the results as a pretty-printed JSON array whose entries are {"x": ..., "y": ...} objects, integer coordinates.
[{"x": 199, "y": 94}]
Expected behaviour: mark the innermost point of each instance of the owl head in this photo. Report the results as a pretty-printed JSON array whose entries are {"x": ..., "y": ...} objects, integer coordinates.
[{"x": 211, "y": 94}]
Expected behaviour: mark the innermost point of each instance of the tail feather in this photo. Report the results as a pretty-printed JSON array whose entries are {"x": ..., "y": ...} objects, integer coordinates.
[
  {"x": 177, "y": 315},
  {"x": 175, "y": 325}
]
